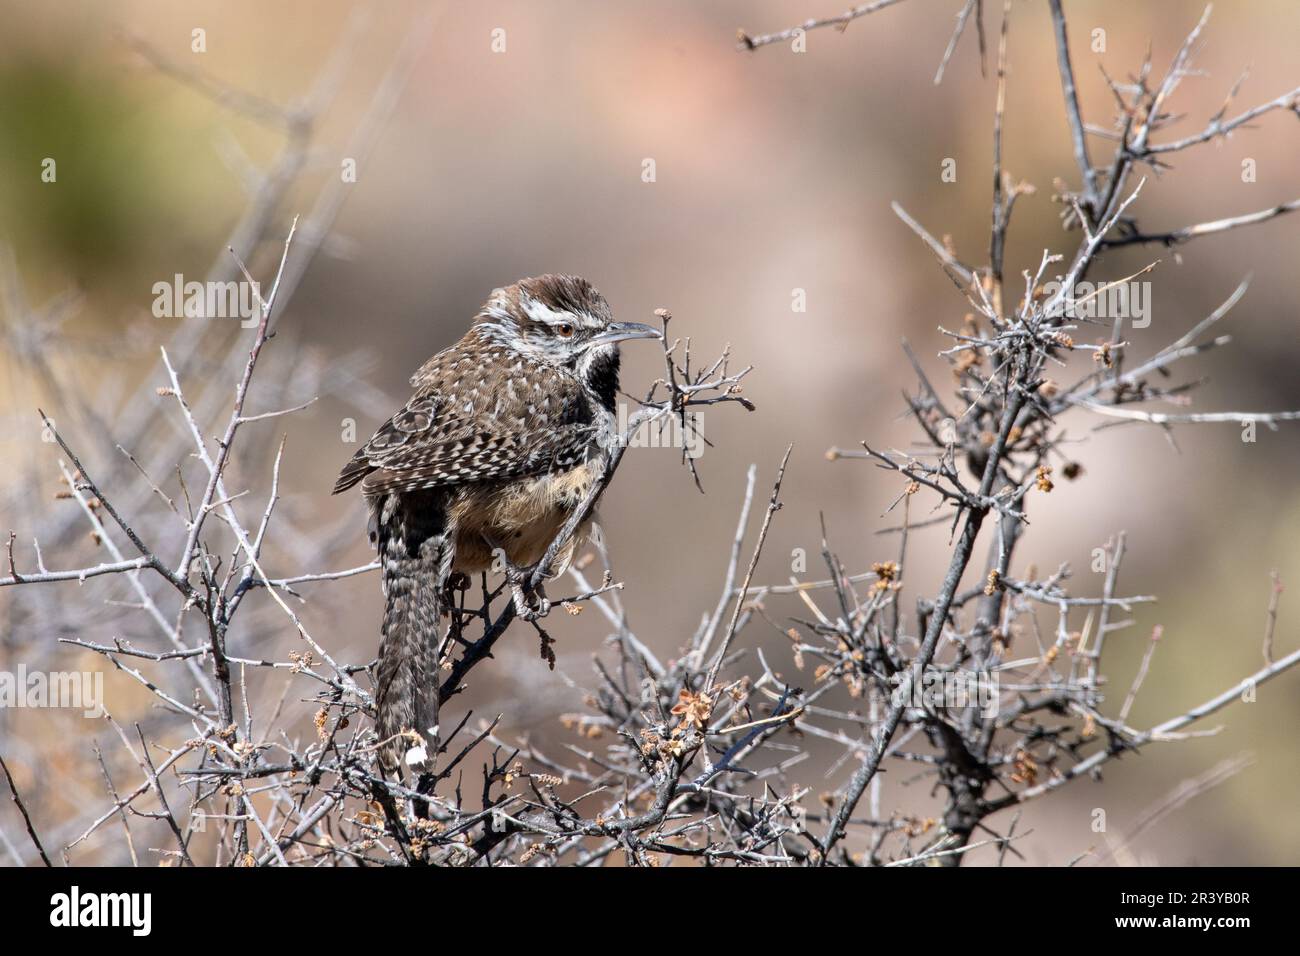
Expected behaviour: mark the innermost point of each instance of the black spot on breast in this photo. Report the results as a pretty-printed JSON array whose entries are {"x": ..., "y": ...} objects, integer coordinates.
[{"x": 602, "y": 377}]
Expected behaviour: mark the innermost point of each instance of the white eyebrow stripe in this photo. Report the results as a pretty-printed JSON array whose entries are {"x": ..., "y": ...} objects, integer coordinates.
[{"x": 541, "y": 312}]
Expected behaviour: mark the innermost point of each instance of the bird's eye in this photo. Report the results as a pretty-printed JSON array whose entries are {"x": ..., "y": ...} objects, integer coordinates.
[{"x": 564, "y": 330}]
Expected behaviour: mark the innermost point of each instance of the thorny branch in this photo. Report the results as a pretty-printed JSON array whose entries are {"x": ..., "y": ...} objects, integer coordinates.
[
  {"x": 1007, "y": 432},
  {"x": 698, "y": 749}
]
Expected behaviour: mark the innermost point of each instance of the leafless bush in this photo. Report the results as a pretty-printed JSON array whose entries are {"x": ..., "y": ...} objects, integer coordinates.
[{"x": 698, "y": 755}]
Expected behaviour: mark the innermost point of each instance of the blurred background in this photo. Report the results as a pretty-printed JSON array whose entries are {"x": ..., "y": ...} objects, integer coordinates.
[{"x": 773, "y": 172}]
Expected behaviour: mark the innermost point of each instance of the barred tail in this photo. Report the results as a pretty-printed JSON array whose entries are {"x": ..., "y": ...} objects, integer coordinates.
[{"x": 415, "y": 556}]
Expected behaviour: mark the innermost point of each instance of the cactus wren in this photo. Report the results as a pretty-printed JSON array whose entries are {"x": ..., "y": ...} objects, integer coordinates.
[{"x": 500, "y": 442}]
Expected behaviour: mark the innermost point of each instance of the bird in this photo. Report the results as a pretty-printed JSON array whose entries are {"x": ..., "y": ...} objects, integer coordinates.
[{"x": 504, "y": 436}]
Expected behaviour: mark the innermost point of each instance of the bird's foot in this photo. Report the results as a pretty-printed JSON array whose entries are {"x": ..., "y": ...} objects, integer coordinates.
[
  {"x": 534, "y": 611},
  {"x": 530, "y": 603}
]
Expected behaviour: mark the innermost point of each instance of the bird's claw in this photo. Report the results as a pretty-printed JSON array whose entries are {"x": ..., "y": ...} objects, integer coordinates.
[
  {"x": 518, "y": 577},
  {"x": 530, "y": 612}
]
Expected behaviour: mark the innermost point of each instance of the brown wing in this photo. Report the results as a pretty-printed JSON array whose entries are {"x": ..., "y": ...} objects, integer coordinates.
[
  {"x": 482, "y": 414},
  {"x": 416, "y": 422}
]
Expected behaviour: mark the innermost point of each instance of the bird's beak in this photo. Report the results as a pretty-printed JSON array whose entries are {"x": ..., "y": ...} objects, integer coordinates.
[{"x": 622, "y": 331}]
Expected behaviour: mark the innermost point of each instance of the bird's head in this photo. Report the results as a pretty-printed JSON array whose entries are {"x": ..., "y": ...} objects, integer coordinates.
[{"x": 558, "y": 319}]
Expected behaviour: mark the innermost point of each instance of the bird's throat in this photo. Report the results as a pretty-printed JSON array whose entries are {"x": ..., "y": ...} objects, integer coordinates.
[{"x": 599, "y": 372}]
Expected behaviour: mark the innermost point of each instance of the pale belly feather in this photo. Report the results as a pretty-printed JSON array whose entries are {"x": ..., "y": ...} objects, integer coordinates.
[{"x": 522, "y": 519}]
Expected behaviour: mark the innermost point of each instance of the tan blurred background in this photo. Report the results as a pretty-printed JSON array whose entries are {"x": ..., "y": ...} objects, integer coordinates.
[{"x": 774, "y": 171}]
